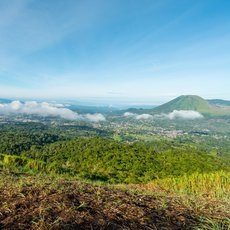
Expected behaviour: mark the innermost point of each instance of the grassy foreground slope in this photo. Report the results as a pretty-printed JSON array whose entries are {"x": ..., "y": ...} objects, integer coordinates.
[
  {"x": 44, "y": 202},
  {"x": 177, "y": 186}
]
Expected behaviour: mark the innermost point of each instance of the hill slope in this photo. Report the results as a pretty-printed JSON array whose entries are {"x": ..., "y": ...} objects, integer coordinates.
[
  {"x": 114, "y": 162},
  {"x": 188, "y": 102}
]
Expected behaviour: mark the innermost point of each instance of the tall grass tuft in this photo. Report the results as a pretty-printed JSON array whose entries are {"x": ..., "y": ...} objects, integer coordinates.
[{"x": 214, "y": 185}]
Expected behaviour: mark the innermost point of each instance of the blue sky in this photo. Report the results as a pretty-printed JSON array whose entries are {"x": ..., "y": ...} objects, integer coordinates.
[{"x": 146, "y": 51}]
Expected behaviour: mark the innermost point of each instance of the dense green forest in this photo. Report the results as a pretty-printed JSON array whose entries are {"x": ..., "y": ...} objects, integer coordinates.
[{"x": 107, "y": 160}]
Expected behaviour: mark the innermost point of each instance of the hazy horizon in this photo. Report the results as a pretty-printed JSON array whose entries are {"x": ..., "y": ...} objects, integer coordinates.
[
  {"x": 100, "y": 102},
  {"x": 114, "y": 51}
]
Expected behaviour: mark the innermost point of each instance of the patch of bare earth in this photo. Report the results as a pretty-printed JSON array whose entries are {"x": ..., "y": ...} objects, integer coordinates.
[{"x": 28, "y": 202}]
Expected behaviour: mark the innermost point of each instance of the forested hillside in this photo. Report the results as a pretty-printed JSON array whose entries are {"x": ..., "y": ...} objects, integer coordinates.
[{"x": 108, "y": 160}]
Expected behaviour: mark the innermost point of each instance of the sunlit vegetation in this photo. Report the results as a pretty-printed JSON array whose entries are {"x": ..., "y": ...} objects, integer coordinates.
[
  {"x": 212, "y": 185},
  {"x": 110, "y": 161},
  {"x": 127, "y": 175}
]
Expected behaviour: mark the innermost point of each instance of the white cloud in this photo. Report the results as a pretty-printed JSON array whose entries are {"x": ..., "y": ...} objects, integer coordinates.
[
  {"x": 144, "y": 116},
  {"x": 46, "y": 109},
  {"x": 185, "y": 114},
  {"x": 128, "y": 114},
  {"x": 95, "y": 117}
]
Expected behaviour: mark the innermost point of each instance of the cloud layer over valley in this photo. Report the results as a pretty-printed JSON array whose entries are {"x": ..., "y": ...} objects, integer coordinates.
[
  {"x": 185, "y": 114},
  {"x": 143, "y": 116},
  {"x": 45, "y": 109},
  {"x": 182, "y": 114}
]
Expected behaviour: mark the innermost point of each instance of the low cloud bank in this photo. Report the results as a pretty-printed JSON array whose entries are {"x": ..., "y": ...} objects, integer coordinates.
[
  {"x": 143, "y": 116},
  {"x": 45, "y": 109},
  {"x": 95, "y": 117},
  {"x": 128, "y": 114},
  {"x": 184, "y": 114}
]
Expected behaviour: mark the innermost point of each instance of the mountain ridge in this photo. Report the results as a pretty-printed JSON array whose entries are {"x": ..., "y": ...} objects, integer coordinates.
[{"x": 219, "y": 102}]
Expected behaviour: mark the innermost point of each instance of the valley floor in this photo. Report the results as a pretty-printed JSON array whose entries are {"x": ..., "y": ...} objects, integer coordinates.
[{"x": 44, "y": 202}]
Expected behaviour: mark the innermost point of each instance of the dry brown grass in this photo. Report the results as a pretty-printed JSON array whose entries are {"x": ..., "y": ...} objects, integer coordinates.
[{"x": 41, "y": 202}]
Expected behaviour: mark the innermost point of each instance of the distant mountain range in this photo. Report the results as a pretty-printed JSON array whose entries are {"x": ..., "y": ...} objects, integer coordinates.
[
  {"x": 5, "y": 101},
  {"x": 190, "y": 102}
]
